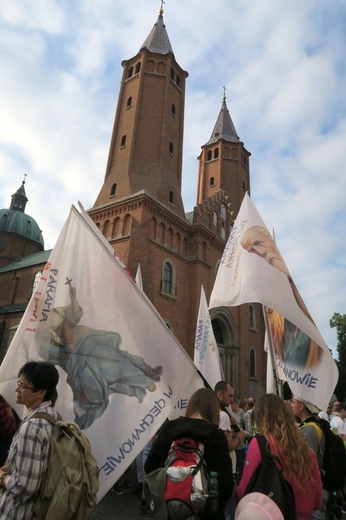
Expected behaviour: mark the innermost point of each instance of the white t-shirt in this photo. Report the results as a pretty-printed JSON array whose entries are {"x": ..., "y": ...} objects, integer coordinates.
[
  {"x": 324, "y": 415},
  {"x": 225, "y": 425},
  {"x": 224, "y": 421},
  {"x": 338, "y": 425}
]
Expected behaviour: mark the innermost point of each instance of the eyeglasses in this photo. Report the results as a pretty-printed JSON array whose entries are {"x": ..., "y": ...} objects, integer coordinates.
[{"x": 24, "y": 387}]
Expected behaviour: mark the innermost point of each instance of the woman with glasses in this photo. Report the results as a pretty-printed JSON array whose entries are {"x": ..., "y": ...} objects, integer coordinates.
[{"x": 21, "y": 476}]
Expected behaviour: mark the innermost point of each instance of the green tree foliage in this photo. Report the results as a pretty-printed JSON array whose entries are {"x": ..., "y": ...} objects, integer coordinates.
[{"x": 339, "y": 322}]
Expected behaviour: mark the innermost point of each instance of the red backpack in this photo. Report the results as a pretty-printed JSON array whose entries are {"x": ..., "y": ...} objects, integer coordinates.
[{"x": 186, "y": 483}]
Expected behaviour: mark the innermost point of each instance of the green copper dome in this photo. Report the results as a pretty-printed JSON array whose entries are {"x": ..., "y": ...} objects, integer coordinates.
[{"x": 14, "y": 220}]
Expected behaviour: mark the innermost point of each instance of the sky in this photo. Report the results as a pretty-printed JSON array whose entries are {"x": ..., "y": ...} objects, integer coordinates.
[{"x": 284, "y": 69}]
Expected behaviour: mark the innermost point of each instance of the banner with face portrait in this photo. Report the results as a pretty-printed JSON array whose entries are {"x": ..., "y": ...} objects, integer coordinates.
[
  {"x": 253, "y": 270},
  {"x": 121, "y": 370}
]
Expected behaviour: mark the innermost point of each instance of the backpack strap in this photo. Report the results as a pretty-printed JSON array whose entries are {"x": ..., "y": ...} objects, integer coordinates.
[
  {"x": 264, "y": 447},
  {"x": 317, "y": 427},
  {"x": 47, "y": 416},
  {"x": 322, "y": 449}
]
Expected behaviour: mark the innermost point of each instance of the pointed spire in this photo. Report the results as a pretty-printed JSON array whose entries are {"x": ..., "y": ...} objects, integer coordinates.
[
  {"x": 19, "y": 199},
  {"x": 224, "y": 127},
  {"x": 158, "y": 40}
]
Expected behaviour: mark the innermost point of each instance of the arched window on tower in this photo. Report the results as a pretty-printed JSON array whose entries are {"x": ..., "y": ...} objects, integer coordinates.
[
  {"x": 106, "y": 228},
  {"x": 130, "y": 72},
  {"x": 212, "y": 181},
  {"x": 129, "y": 102},
  {"x": 138, "y": 67},
  {"x": 178, "y": 242},
  {"x": 178, "y": 80},
  {"x": 171, "y": 197},
  {"x": 216, "y": 153},
  {"x": 172, "y": 74},
  {"x": 116, "y": 227},
  {"x": 161, "y": 233},
  {"x": 170, "y": 238},
  {"x": 252, "y": 317},
  {"x": 209, "y": 155},
  {"x": 113, "y": 190},
  {"x": 171, "y": 148},
  {"x": 127, "y": 225},
  {"x": 150, "y": 66},
  {"x": 37, "y": 277},
  {"x": 153, "y": 228},
  {"x": 252, "y": 363},
  {"x": 173, "y": 110},
  {"x": 123, "y": 141},
  {"x": 215, "y": 218},
  {"x": 168, "y": 277}
]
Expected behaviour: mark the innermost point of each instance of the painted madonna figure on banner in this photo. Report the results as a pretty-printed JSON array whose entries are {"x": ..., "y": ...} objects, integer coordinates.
[{"x": 95, "y": 365}]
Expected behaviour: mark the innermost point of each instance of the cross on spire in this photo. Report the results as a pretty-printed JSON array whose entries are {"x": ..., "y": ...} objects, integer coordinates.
[
  {"x": 161, "y": 8},
  {"x": 224, "y": 93}
]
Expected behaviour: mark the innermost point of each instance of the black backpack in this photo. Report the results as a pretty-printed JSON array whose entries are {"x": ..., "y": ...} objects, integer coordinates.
[
  {"x": 269, "y": 480},
  {"x": 334, "y": 457}
]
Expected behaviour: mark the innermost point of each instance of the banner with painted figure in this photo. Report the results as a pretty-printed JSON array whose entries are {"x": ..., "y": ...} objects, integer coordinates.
[
  {"x": 253, "y": 270},
  {"x": 206, "y": 353},
  {"x": 121, "y": 369}
]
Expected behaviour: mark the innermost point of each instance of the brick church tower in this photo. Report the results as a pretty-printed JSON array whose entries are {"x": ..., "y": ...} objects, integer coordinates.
[
  {"x": 140, "y": 210},
  {"x": 224, "y": 162}
]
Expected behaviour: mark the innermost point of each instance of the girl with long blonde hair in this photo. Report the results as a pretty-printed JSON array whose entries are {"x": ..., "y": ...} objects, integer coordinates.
[{"x": 275, "y": 421}]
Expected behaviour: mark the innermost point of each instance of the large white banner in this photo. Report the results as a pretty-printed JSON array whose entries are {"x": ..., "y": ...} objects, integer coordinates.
[
  {"x": 206, "y": 353},
  {"x": 121, "y": 369},
  {"x": 253, "y": 270}
]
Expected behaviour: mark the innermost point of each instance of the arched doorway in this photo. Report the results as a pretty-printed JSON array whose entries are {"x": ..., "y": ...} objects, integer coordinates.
[{"x": 226, "y": 337}]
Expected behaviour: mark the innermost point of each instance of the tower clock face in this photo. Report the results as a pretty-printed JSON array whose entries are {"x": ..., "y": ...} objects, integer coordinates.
[{"x": 2, "y": 245}]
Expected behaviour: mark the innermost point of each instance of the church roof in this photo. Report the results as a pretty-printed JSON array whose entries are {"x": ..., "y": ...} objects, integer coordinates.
[
  {"x": 189, "y": 217},
  {"x": 158, "y": 40},
  {"x": 224, "y": 127},
  {"x": 14, "y": 220},
  {"x": 27, "y": 261}
]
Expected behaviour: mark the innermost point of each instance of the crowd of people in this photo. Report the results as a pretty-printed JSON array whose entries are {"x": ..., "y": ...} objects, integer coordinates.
[
  {"x": 228, "y": 428},
  {"x": 288, "y": 435}
]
